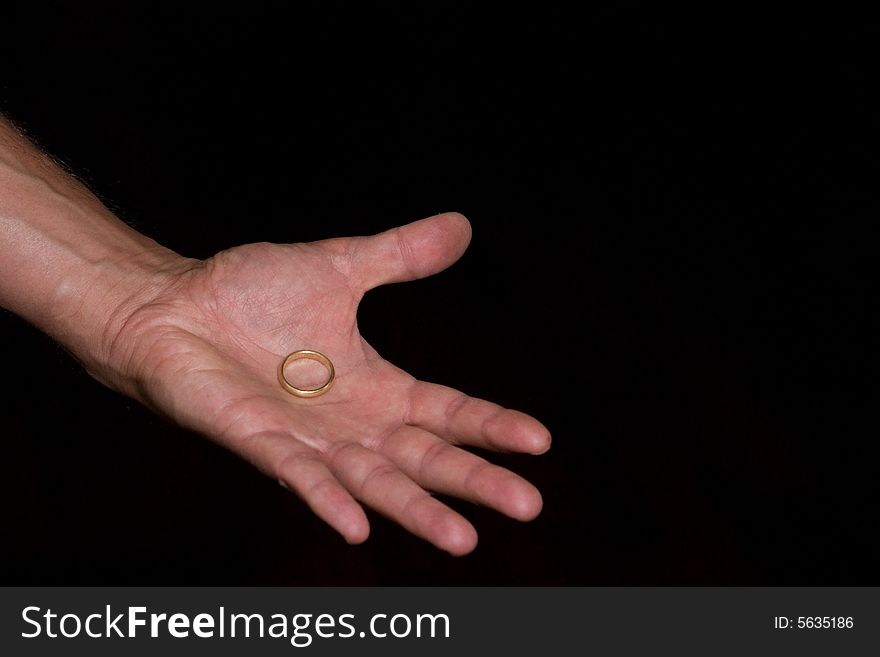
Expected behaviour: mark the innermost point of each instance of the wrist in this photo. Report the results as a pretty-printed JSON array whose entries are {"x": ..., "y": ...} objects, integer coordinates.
[{"x": 91, "y": 308}]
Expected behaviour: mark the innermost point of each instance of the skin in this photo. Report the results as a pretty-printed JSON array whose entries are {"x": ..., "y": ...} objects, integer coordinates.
[{"x": 200, "y": 341}]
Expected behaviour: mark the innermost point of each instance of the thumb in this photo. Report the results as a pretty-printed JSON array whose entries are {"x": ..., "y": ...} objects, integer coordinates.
[{"x": 412, "y": 251}]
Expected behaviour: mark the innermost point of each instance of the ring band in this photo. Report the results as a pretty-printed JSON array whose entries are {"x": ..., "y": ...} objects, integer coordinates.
[{"x": 310, "y": 355}]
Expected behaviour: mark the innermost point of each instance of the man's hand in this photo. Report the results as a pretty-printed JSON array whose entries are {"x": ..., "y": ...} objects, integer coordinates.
[
  {"x": 205, "y": 346},
  {"x": 201, "y": 343}
]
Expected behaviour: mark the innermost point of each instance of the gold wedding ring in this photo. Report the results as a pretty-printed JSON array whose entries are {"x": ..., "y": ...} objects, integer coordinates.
[{"x": 310, "y": 355}]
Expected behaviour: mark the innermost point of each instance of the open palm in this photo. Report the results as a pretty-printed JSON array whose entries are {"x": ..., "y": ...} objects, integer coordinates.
[{"x": 206, "y": 350}]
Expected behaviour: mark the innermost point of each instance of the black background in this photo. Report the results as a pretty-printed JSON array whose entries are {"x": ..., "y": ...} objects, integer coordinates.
[{"x": 671, "y": 267}]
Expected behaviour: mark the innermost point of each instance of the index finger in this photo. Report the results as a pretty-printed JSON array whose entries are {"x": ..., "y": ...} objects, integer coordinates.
[{"x": 458, "y": 418}]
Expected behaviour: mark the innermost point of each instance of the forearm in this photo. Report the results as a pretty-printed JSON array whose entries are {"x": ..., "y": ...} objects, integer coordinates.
[{"x": 68, "y": 265}]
